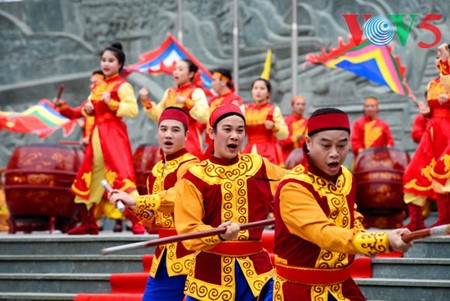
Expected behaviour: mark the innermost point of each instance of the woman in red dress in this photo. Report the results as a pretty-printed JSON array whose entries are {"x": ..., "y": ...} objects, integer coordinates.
[
  {"x": 427, "y": 174},
  {"x": 265, "y": 124}
]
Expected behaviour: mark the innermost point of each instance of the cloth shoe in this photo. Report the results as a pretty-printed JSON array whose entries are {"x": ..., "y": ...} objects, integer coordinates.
[
  {"x": 443, "y": 205},
  {"x": 416, "y": 218},
  {"x": 118, "y": 226},
  {"x": 88, "y": 223}
]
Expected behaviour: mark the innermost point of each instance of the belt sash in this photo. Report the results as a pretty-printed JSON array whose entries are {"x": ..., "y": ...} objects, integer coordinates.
[
  {"x": 312, "y": 276},
  {"x": 237, "y": 248}
]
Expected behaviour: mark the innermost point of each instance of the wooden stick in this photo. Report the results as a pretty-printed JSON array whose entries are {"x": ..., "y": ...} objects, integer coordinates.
[
  {"x": 119, "y": 204},
  {"x": 60, "y": 90},
  {"x": 67, "y": 142},
  {"x": 435, "y": 231},
  {"x": 177, "y": 238}
]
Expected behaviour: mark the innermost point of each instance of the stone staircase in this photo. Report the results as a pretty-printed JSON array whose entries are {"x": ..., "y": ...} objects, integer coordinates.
[
  {"x": 58, "y": 267},
  {"x": 423, "y": 274}
]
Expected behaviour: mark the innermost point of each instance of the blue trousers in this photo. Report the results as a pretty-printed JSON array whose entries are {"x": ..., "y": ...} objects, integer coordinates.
[
  {"x": 243, "y": 292},
  {"x": 163, "y": 287}
]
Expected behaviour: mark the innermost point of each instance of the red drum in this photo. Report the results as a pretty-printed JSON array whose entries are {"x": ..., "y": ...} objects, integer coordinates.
[
  {"x": 144, "y": 158},
  {"x": 294, "y": 158},
  {"x": 379, "y": 186},
  {"x": 37, "y": 186}
]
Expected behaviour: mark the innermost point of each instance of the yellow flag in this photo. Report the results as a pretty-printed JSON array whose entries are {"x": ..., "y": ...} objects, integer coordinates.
[{"x": 267, "y": 64}]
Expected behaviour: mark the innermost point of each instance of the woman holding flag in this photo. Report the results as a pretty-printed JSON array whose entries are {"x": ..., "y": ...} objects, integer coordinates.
[{"x": 185, "y": 95}]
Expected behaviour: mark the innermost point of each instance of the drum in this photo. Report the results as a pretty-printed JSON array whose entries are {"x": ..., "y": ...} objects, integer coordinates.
[
  {"x": 379, "y": 186},
  {"x": 144, "y": 158},
  {"x": 294, "y": 158},
  {"x": 37, "y": 186}
]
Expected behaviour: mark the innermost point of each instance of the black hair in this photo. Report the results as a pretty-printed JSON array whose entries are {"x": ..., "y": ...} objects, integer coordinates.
[
  {"x": 226, "y": 73},
  {"x": 117, "y": 49},
  {"x": 268, "y": 84},
  {"x": 324, "y": 111},
  {"x": 191, "y": 67},
  {"x": 99, "y": 72}
]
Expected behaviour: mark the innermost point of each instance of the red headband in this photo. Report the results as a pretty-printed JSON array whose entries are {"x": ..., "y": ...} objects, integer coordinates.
[
  {"x": 332, "y": 121},
  {"x": 174, "y": 113},
  {"x": 224, "y": 111}
]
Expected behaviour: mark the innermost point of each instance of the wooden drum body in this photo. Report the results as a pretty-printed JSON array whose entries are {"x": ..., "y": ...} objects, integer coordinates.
[
  {"x": 379, "y": 186},
  {"x": 144, "y": 158},
  {"x": 37, "y": 186}
]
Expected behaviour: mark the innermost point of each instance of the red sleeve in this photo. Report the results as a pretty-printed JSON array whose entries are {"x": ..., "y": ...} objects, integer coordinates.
[
  {"x": 418, "y": 128},
  {"x": 72, "y": 113},
  {"x": 288, "y": 141},
  {"x": 390, "y": 140},
  {"x": 357, "y": 136}
]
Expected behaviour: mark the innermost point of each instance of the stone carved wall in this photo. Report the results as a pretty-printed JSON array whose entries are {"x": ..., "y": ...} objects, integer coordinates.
[{"x": 47, "y": 42}]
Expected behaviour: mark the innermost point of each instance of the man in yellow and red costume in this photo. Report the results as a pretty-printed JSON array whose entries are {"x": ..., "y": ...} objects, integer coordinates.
[
  {"x": 369, "y": 130},
  {"x": 317, "y": 228},
  {"x": 296, "y": 124},
  {"x": 171, "y": 262},
  {"x": 226, "y": 190}
]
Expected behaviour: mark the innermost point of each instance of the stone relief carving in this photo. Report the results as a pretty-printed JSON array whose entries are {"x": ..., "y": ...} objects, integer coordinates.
[{"x": 64, "y": 39}]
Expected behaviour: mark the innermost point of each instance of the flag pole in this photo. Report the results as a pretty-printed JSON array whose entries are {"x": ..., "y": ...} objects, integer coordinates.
[
  {"x": 180, "y": 21},
  {"x": 235, "y": 12},
  {"x": 294, "y": 48}
]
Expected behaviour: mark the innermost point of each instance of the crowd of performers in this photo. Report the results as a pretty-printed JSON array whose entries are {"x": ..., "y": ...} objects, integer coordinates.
[{"x": 318, "y": 230}]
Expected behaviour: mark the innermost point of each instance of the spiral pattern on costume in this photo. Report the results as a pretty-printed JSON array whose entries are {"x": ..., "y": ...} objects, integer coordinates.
[{"x": 379, "y": 30}]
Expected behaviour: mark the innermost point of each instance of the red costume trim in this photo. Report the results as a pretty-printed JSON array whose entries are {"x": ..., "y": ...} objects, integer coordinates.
[
  {"x": 237, "y": 248},
  {"x": 166, "y": 232},
  {"x": 311, "y": 276}
]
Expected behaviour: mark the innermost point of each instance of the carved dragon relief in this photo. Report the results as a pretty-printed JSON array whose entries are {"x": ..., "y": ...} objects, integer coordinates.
[{"x": 142, "y": 25}]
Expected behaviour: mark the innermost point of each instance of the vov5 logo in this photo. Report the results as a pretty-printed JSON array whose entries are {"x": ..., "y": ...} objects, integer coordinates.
[{"x": 380, "y": 30}]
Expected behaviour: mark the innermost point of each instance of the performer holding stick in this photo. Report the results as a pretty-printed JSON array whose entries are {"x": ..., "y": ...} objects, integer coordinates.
[
  {"x": 108, "y": 154},
  {"x": 181, "y": 237},
  {"x": 226, "y": 190},
  {"x": 317, "y": 228},
  {"x": 171, "y": 262},
  {"x": 432, "y": 232},
  {"x": 86, "y": 112}
]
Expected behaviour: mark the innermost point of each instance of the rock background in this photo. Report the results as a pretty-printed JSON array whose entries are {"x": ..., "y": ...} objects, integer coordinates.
[{"x": 48, "y": 42}]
